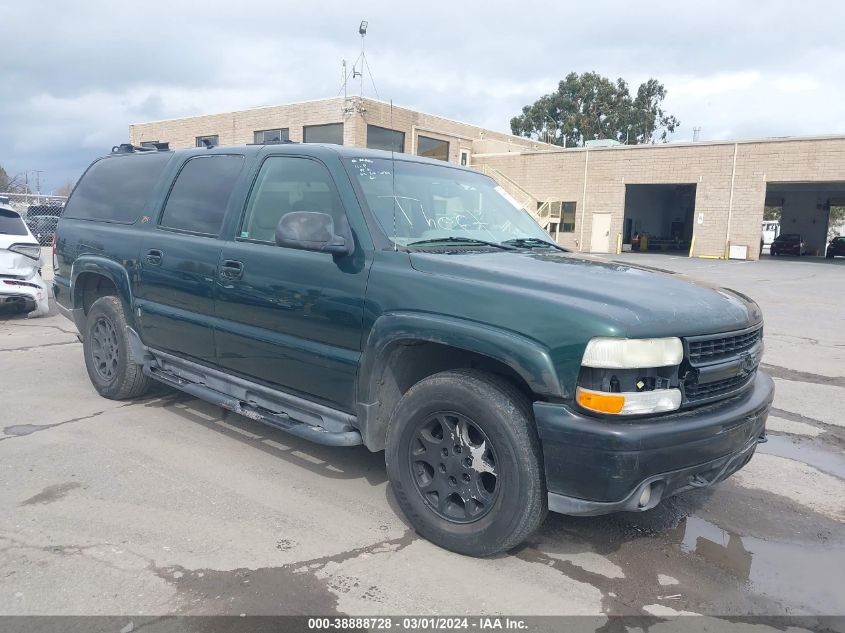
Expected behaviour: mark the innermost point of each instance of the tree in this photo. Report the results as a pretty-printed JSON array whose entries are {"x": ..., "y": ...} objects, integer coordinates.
[
  {"x": 772, "y": 213},
  {"x": 14, "y": 184},
  {"x": 65, "y": 189},
  {"x": 835, "y": 221},
  {"x": 588, "y": 106}
]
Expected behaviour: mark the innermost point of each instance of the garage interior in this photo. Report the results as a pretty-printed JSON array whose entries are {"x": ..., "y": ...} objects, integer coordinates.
[
  {"x": 805, "y": 208},
  {"x": 658, "y": 218}
]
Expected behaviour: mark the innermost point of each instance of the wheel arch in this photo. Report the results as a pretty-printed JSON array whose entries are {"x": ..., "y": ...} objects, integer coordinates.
[
  {"x": 93, "y": 277},
  {"x": 404, "y": 348}
]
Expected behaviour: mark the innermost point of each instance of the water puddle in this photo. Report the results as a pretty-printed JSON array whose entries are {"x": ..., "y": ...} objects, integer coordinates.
[
  {"x": 25, "y": 429},
  {"x": 811, "y": 575},
  {"x": 827, "y": 461}
]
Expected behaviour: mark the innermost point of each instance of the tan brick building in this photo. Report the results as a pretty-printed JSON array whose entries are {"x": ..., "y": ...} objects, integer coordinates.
[
  {"x": 720, "y": 190},
  {"x": 354, "y": 121},
  {"x": 702, "y": 198}
]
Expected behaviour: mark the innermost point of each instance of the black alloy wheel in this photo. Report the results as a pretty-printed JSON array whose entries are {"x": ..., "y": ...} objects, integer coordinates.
[
  {"x": 105, "y": 351},
  {"x": 464, "y": 462},
  {"x": 453, "y": 466},
  {"x": 106, "y": 347}
]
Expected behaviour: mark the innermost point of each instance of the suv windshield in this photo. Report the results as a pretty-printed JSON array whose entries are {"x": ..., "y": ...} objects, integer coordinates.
[
  {"x": 423, "y": 204},
  {"x": 11, "y": 223}
]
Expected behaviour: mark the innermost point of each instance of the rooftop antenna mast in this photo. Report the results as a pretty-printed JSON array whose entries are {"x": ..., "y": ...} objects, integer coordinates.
[{"x": 358, "y": 66}]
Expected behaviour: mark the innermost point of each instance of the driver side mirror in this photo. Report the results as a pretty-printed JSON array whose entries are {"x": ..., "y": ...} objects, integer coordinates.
[{"x": 314, "y": 231}]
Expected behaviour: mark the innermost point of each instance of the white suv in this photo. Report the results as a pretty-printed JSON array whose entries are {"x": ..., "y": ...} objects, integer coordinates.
[{"x": 20, "y": 265}]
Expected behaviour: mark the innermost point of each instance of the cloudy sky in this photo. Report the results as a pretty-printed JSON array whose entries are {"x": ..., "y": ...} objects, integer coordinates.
[{"x": 73, "y": 75}]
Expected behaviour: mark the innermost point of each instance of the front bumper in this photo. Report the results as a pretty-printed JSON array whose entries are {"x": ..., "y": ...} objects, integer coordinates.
[{"x": 597, "y": 466}]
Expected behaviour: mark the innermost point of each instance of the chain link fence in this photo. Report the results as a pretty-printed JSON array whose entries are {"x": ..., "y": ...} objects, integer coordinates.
[{"x": 41, "y": 213}]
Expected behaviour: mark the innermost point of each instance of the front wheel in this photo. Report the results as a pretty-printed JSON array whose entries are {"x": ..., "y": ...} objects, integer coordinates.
[{"x": 465, "y": 464}]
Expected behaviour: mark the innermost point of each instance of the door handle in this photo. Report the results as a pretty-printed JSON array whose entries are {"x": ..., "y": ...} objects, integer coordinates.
[
  {"x": 231, "y": 269},
  {"x": 154, "y": 257}
]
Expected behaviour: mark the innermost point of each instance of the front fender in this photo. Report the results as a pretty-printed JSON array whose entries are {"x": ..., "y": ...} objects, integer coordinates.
[{"x": 527, "y": 357}]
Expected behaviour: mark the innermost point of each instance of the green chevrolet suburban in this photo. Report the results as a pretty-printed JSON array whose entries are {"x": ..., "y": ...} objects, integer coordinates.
[{"x": 350, "y": 296}]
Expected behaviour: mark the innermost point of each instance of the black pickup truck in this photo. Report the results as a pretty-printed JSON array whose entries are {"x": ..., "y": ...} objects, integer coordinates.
[{"x": 350, "y": 296}]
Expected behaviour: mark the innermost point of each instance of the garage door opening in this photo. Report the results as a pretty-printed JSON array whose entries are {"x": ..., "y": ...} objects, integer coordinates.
[
  {"x": 813, "y": 211},
  {"x": 658, "y": 218}
]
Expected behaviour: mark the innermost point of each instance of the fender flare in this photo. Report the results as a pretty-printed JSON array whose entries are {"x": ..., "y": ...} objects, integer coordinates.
[
  {"x": 525, "y": 356},
  {"x": 107, "y": 268}
]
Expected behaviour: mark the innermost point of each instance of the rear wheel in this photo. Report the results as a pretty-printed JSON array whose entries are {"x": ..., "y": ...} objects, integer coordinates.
[
  {"x": 106, "y": 347},
  {"x": 465, "y": 464}
]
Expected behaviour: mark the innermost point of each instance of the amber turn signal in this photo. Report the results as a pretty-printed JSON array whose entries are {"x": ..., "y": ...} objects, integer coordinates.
[{"x": 599, "y": 401}]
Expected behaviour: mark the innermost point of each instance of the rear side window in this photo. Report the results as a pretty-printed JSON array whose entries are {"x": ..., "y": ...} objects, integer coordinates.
[
  {"x": 11, "y": 223},
  {"x": 116, "y": 189},
  {"x": 200, "y": 195}
]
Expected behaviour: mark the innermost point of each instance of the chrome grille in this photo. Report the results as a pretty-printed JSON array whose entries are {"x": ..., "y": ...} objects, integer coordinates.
[{"x": 708, "y": 349}]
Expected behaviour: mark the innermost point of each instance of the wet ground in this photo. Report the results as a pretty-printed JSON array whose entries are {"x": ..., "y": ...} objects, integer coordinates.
[{"x": 172, "y": 506}]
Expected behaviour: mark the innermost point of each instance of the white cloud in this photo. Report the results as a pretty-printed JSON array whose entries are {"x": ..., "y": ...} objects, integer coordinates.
[{"x": 73, "y": 83}]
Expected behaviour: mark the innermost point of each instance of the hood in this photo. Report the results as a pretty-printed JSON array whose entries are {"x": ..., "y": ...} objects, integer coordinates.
[{"x": 635, "y": 301}]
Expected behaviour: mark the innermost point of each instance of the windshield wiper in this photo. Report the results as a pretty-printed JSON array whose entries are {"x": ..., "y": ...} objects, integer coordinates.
[
  {"x": 529, "y": 242},
  {"x": 459, "y": 240}
]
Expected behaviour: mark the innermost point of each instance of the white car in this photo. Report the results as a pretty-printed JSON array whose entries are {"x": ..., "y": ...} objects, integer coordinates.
[{"x": 20, "y": 265}]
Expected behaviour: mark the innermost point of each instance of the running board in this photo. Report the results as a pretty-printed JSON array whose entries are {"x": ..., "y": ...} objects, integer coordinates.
[{"x": 344, "y": 436}]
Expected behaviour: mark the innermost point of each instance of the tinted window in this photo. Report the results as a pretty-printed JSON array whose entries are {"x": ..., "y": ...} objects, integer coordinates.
[
  {"x": 288, "y": 184},
  {"x": 331, "y": 133},
  {"x": 432, "y": 148},
  {"x": 11, "y": 223},
  {"x": 116, "y": 189},
  {"x": 383, "y": 138},
  {"x": 199, "y": 198}
]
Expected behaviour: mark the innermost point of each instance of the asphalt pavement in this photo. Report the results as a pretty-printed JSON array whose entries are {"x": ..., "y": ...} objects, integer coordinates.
[{"x": 168, "y": 505}]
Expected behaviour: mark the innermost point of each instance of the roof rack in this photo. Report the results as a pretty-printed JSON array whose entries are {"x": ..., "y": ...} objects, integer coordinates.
[{"x": 128, "y": 148}]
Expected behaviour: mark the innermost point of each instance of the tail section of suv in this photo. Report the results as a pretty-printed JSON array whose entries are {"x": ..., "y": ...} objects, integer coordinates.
[{"x": 348, "y": 296}]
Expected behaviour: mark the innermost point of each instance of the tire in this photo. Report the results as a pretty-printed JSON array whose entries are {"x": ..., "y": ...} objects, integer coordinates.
[
  {"x": 484, "y": 495},
  {"x": 106, "y": 349}
]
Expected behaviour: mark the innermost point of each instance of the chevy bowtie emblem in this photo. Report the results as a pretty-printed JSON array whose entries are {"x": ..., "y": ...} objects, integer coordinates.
[{"x": 746, "y": 364}]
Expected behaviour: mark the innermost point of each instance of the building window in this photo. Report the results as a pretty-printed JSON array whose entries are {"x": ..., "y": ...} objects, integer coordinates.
[
  {"x": 384, "y": 138},
  {"x": 465, "y": 158},
  {"x": 432, "y": 148},
  {"x": 272, "y": 136},
  {"x": 567, "y": 220},
  {"x": 330, "y": 133},
  {"x": 213, "y": 139},
  {"x": 149, "y": 143}
]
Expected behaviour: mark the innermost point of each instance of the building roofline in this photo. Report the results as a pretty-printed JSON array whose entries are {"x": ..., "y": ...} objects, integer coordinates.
[
  {"x": 519, "y": 139},
  {"x": 612, "y": 148},
  {"x": 250, "y": 109}
]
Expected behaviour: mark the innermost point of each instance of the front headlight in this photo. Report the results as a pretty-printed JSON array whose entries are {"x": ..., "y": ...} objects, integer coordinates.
[
  {"x": 621, "y": 376},
  {"x": 633, "y": 353}
]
